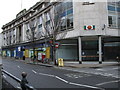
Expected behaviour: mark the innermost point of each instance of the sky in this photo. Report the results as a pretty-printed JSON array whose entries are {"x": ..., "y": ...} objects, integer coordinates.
[{"x": 10, "y": 8}]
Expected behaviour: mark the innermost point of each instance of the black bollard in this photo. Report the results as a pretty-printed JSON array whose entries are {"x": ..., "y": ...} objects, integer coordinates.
[
  {"x": 117, "y": 58},
  {"x": 24, "y": 81}
]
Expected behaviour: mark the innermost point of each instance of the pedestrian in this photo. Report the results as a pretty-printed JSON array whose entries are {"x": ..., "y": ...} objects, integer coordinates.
[
  {"x": 24, "y": 81},
  {"x": 34, "y": 57}
]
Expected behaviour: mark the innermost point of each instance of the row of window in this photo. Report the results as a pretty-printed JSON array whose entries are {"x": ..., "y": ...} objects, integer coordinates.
[
  {"x": 63, "y": 16},
  {"x": 113, "y": 8},
  {"x": 113, "y": 14}
]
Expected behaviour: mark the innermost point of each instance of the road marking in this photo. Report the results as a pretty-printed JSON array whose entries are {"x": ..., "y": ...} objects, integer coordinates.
[
  {"x": 34, "y": 71},
  {"x": 4, "y": 76},
  {"x": 115, "y": 68},
  {"x": 18, "y": 87},
  {"x": 86, "y": 86},
  {"x": 87, "y": 72},
  {"x": 100, "y": 69},
  {"x": 61, "y": 79},
  {"x": 18, "y": 66},
  {"x": 46, "y": 74},
  {"x": 106, "y": 69},
  {"x": 107, "y": 82},
  {"x": 78, "y": 84}
]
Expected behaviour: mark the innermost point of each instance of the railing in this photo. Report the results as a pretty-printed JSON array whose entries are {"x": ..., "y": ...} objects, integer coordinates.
[
  {"x": 0, "y": 77},
  {"x": 28, "y": 87}
]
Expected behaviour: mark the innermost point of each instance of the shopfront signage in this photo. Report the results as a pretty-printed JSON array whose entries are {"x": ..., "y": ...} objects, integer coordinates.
[
  {"x": 19, "y": 48},
  {"x": 89, "y": 27}
]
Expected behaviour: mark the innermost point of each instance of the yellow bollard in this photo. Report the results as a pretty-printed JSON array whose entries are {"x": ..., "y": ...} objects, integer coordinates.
[{"x": 60, "y": 62}]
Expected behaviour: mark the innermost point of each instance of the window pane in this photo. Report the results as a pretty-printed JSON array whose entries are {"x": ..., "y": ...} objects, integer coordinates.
[
  {"x": 118, "y": 22},
  {"x": 63, "y": 25},
  {"x": 114, "y": 21},
  {"x": 110, "y": 20},
  {"x": 70, "y": 21}
]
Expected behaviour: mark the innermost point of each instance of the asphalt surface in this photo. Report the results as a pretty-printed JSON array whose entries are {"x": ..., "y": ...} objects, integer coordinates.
[
  {"x": 49, "y": 77},
  {"x": 6, "y": 85}
]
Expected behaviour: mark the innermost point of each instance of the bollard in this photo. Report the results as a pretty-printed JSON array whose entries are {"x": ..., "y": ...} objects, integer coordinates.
[
  {"x": 117, "y": 58},
  {"x": 24, "y": 81},
  {"x": 60, "y": 62}
]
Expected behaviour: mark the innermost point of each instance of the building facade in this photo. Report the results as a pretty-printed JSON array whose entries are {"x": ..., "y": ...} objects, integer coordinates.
[{"x": 84, "y": 31}]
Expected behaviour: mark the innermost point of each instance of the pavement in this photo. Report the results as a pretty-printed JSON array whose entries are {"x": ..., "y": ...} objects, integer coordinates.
[
  {"x": 7, "y": 86},
  {"x": 72, "y": 64}
]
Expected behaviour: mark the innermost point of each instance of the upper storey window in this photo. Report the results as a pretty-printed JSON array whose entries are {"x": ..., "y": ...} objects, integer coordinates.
[
  {"x": 113, "y": 14},
  {"x": 66, "y": 14}
]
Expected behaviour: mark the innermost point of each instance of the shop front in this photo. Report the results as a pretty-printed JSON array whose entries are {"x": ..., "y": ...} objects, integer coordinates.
[
  {"x": 111, "y": 48},
  {"x": 67, "y": 50},
  {"x": 41, "y": 51},
  {"x": 18, "y": 52}
]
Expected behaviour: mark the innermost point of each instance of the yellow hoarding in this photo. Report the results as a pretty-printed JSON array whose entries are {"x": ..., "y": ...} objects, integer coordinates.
[
  {"x": 26, "y": 53},
  {"x": 48, "y": 52}
]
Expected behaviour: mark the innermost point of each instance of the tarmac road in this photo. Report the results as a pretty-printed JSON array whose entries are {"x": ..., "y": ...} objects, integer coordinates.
[{"x": 50, "y": 77}]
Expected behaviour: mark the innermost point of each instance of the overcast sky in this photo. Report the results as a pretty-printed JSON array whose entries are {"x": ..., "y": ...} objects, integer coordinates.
[{"x": 9, "y": 9}]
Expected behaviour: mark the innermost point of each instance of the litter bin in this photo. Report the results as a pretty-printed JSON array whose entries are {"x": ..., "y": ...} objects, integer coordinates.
[{"x": 60, "y": 62}]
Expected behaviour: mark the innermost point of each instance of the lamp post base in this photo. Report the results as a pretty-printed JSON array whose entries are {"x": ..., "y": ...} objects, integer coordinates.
[
  {"x": 100, "y": 62},
  {"x": 80, "y": 62}
]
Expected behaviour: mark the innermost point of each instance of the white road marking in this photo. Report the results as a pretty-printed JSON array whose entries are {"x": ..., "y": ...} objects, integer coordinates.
[
  {"x": 107, "y": 82},
  {"x": 46, "y": 74},
  {"x": 34, "y": 71},
  {"x": 97, "y": 73},
  {"x": 4, "y": 76},
  {"x": 86, "y": 86},
  {"x": 115, "y": 68},
  {"x": 100, "y": 69},
  {"x": 61, "y": 79},
  {"x": 106, "y": 74},
  {"x": 18, "y": 87},
  {"x": 107, "y": 69},
  {"x": 18, "y": 66}
]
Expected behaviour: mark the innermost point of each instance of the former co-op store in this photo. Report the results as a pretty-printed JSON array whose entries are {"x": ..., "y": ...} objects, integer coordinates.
[{"x": 91, "y": 31}]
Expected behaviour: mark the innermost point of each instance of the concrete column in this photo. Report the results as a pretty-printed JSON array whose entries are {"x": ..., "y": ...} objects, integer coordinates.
[
  {"x": 17, "y": 35},
  {"x": 100, "y": 50},
  {"x": 80, "y": 49},
  {"x": 0, "y": 73},
  {"x": 0, "y": 77},
  {"x": 23, "y": 32}
]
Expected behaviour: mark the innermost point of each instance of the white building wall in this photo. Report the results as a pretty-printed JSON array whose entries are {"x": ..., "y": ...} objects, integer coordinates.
[
  {"x": 1, "y": 41},
  {"x": 94, "y": 14}
]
